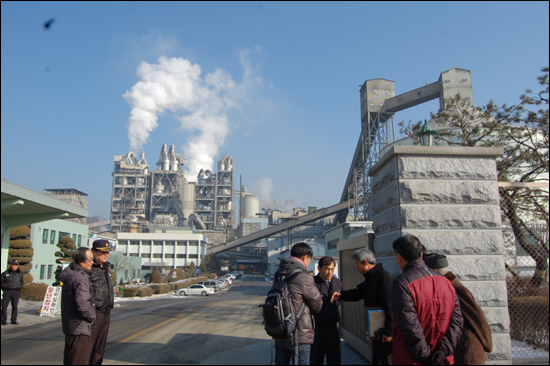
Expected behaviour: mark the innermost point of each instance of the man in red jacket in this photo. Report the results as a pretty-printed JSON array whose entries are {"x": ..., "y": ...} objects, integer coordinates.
[{"x": 428, "y": 320}]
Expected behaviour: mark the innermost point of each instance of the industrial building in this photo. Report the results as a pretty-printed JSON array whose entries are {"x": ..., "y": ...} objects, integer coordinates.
[
  {"x": 143, "y": 200},
  {"x": 165, "y": 248},
  {"x": 72, "y": 196},
  {"x": 44, "y": 237}
]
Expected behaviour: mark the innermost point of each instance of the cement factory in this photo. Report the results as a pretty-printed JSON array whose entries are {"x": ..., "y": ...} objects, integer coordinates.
[
  {"x": 165, "y": 201},
  {"x": 164, "y": 197}
]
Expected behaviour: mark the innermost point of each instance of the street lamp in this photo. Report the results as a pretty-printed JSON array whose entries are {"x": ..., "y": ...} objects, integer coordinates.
[{"x": 426, "y": 135}]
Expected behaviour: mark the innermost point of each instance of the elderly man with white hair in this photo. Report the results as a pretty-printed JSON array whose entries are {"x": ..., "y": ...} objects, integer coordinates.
[{"x": 375, "y": 292}]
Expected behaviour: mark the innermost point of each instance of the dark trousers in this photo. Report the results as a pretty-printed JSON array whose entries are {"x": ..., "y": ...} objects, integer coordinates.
[
  {"x": 99, "y": 338},
  {"x": 326, "y": 342},
  {"x": 381, "y": 353},
  {"x": 285, "y": 353},
  {"x": 77, "y": 350},
  {"x": 13, "y": 297}
]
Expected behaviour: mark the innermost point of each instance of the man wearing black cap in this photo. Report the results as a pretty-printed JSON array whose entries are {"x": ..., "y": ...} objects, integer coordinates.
[
  {"x": 12, "y": 281},
  {"x": 102, "y": 287},
  {"x": 476, "y": 338}
]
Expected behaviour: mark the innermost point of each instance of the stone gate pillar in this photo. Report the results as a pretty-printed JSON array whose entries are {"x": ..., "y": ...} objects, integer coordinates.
[{"x": 448, "y": 198}]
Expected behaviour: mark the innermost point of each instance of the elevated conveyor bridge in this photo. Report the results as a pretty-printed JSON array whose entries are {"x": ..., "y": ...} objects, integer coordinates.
[{"x": 284, "y": 227}]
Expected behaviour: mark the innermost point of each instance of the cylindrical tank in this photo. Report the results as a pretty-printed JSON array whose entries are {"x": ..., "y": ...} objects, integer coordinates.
[
  {"x": 251, "y": 206},
  {"x": 188, "y": 199}
]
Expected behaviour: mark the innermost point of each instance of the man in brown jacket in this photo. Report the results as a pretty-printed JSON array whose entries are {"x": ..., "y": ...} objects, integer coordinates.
[
  {"x": 302, "y": 290},
  {"x": 476, "y": 337}
]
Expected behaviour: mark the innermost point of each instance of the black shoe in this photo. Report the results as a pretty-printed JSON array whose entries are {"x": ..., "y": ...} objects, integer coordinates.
[
  {"x": 15, "y": 323},
  {"x": 4, "y": 323}
]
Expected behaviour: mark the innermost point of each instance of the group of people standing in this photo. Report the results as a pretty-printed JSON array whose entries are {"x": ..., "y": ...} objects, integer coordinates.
[
  {"x": 430, "y": 317},
  {"x": 86, "y": 302}
]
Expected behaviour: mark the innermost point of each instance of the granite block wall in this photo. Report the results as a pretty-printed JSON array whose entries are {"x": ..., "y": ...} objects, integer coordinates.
[{"x": 448, "y": 198}]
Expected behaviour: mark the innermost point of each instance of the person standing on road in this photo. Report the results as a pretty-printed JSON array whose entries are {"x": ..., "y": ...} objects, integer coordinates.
[
  {"x": 104, "y": 296},
  {"x": 78, "y": 313},
  {"x": 428, "y": 320},
  {"x": 12, "y": 281},
  {"x": 476, "y": 338},
  {"x": 327, "y": 334},
  {"x": 375, "y": 292},
  {"x": 302, "y": 291}
]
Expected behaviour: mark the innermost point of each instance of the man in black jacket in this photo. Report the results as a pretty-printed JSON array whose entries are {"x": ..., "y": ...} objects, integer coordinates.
[
  {"x": 12, "y": 281},
  {"x": 375, "y": 292},
  {"x": 327, "y": 334},
  {"x": 102, "y": 287}
]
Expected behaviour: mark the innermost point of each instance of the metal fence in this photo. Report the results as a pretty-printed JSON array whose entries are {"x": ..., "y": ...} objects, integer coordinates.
[{"x": 524, "y": 209}]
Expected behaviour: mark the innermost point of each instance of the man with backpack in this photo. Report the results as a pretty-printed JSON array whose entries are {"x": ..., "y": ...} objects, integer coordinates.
[{"x": 290, "y": 305}]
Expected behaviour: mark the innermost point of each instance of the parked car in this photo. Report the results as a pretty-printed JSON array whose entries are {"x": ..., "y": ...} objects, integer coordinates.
[
  {"x": 196, "y": 290},
  {"x": 211, "y": 284},
  {"x": 221, "y": 283}
]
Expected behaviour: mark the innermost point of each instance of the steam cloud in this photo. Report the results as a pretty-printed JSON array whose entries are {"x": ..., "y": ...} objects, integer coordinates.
[
  {"x": 262, "y": 188},
  {"x": 175, "y": 84}
]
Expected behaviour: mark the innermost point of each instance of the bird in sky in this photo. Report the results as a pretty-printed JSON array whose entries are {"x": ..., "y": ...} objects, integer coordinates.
[{"x": 48, "y": 23}]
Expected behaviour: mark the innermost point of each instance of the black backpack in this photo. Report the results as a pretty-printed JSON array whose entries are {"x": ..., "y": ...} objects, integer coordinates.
[{"x": 278, "y": 312}]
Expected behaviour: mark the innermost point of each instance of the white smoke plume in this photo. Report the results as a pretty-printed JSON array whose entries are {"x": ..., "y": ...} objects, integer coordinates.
[
  {"x": 262, "y": 188},
  {"x": 203, "y": 105}
]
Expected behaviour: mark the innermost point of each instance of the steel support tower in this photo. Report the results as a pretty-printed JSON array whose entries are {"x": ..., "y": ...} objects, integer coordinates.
[{"x": 378, "y": 105}]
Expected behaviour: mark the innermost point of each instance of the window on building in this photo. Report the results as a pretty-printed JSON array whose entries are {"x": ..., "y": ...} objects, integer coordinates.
[
  {"x": 45, "y": 236},
  {"x": 42, "y": 271},
  {"x": 157, "y": 255},
  {"x": 193, "y": 243},
  {"x": 168, "y": 256},
  {"x": 145, "y": 255},
  {"x": 52, "y": 237},
  {"x": 169, "y": 243},
  {"x": 79, "y": 240},
  {"x": 134, "y": 255},
  {"x": 158, "y": 242},
  {"x": 126, "y": 274},
  {"x": 180, "y": 255},
  {"x": 134, "y": 242},
  {"x": 193, "y": 256},
  {"x": 181, "y": 243},
  {"x": 145, "y": 242},
  {"x": 74, "y": 238},
  {"x": 62, "y": 234},
  {"x": 134, "y": 272},
  {"x": 50, "y": 270}
]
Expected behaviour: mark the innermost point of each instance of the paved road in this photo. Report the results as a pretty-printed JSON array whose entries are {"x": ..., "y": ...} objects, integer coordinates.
[{"x": 222, "y": 328}]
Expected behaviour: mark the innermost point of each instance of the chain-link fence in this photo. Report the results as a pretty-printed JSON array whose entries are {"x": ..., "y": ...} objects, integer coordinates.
[{"x": 525, "y": 233}]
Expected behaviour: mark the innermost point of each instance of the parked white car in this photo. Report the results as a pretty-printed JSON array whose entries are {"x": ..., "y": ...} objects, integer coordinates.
[{"x": 196, "y": 290}]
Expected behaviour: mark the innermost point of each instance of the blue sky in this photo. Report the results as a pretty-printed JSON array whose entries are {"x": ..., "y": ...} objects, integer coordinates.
[{"x": 278, "y": 81}]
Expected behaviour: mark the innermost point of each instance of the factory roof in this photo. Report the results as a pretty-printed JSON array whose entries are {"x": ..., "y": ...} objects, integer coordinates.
[{"x": 72, "y": 191}]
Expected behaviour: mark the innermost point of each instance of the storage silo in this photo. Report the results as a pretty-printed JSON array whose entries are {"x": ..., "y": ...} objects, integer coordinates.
[
  {"x": 188, "y": 198},
  {"x": 251, "y": 206}
]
